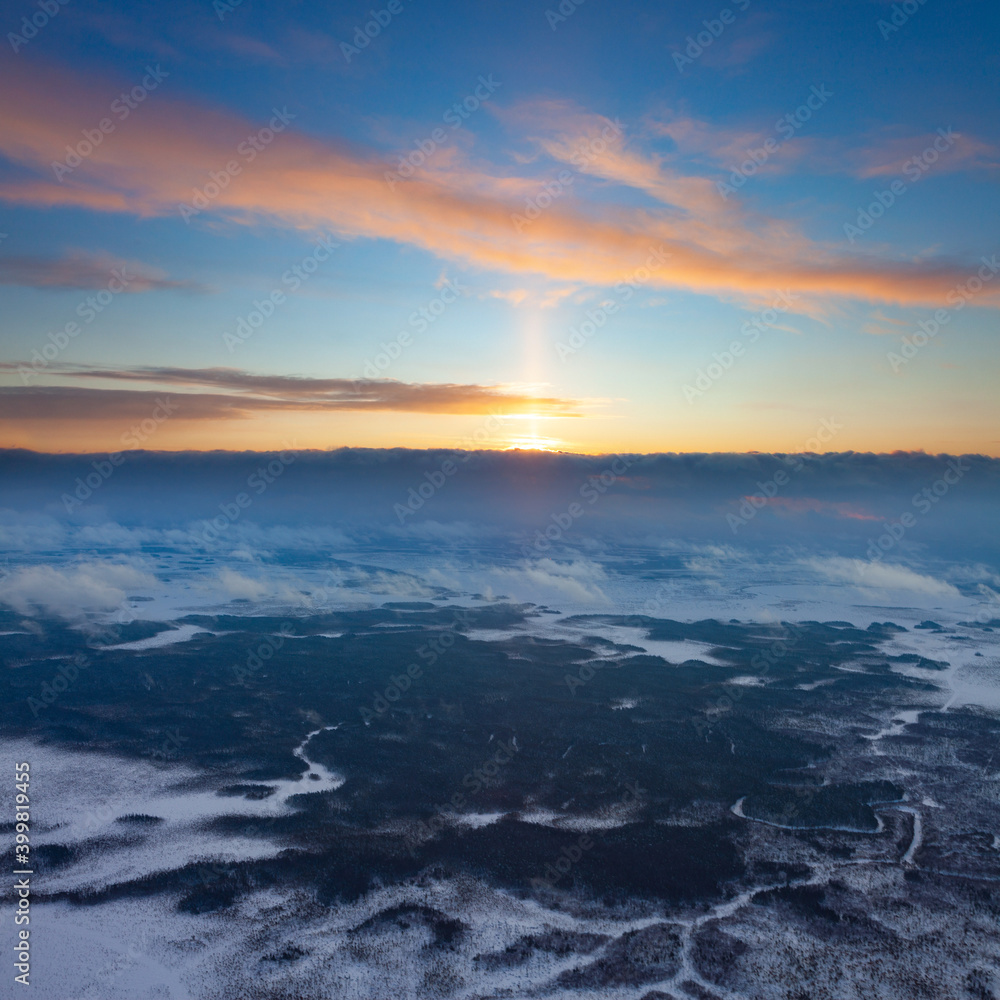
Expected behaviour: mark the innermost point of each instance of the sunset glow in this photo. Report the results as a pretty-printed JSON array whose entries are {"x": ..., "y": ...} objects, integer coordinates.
[{"x": 706, "y": 256}]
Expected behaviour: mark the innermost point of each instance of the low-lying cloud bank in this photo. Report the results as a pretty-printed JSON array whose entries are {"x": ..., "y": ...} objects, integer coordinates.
[
  {"x": 68, "y": 591},
  {"x": 840, "y": 503}
]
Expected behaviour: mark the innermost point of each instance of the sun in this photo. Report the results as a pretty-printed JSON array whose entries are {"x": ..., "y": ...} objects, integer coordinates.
[{"x": 530, "y": 440}]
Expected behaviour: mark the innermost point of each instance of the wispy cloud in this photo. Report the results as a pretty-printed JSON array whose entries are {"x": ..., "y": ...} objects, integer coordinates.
[
  {"x": 597, "y": 146},
  {"x": 247, "y": 48},
  {"x": 887, "y": 154},
  {"x": 71, "y": 591},
  {"x": 167, "y": 153},
  {"x": 880, "y": 325},
  {"x": 884, "y": 152},
  {"x": 880, "y": 576},
  {"x": 741, "y": 50},
  {"x": 86, "y": 271},
  {"x": 246, "y": 393}
]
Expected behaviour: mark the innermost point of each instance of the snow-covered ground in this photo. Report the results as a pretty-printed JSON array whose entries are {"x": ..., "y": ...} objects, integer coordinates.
[{"x": 146, "y": 948}]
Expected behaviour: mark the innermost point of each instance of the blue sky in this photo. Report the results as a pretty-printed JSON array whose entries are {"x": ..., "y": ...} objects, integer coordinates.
[{"x": 556, "y": 87}]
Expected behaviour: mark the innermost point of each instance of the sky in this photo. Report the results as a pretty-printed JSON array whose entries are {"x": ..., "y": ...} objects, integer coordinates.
[{"x": 588, "y": 227}]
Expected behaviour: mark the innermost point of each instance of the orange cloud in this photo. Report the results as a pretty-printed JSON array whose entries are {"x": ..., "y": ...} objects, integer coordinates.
[
  {"x": 244, "y": 394},
  {"x": 887, "y": 152},
  {"x": 168, "y": 154},
  {"x": 596, "y": 145},
  {"x": 945, "y": 151}
]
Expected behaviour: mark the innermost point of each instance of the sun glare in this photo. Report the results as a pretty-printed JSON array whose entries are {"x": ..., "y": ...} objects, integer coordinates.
[{"x": 530, "y": 439}]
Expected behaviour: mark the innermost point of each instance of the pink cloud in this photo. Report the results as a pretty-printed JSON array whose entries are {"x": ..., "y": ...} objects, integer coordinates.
[{"x": 162, "y": 156}]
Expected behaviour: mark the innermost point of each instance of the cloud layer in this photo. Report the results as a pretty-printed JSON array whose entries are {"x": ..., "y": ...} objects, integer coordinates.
[
  {"x": 71, "y": 591},
  {"x": 551, "y": 503},
  {"x": 88, "y": 271},
  {"x": 177, "y": 154},
  {"x": 245, "y": 394}
]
